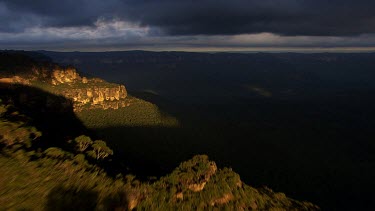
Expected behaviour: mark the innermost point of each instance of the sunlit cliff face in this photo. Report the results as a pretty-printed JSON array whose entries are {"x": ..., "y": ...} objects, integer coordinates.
[
  {"x": 85, "y": 93},
  {"x": 68, "y": 75}
]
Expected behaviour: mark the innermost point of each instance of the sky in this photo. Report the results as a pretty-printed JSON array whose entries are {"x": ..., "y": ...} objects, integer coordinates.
[{"x": 190, "y": 25}]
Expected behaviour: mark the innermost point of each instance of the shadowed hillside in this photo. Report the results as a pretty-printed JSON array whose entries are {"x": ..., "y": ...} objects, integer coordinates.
[
  {"x": 52, "y": 115},
  {"x": 56, "y": 170}
]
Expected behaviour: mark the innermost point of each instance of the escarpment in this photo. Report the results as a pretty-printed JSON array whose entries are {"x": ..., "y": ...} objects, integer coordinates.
[
  {"x": 88, "y": 93},
  {"x": 61, "y": 76},
  {"x": 94, "y": 95},
  {"x": 85, "y": 93}
]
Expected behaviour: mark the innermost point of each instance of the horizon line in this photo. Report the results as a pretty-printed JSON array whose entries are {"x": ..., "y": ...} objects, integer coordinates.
[{"x": 214, "y": 50}]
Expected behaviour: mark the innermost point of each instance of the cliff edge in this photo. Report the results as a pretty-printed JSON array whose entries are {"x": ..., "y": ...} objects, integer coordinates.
[{"x": 85, "y": 93}]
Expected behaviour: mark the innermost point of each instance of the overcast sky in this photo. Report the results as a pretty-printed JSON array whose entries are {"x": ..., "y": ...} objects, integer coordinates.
[{"x": 194, "y": 25}]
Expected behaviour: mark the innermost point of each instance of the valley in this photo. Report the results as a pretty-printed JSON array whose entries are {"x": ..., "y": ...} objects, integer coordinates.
[
  {"x": 295, "y": 122},
  {"x": 293, "y": 128},
  {"x": 51, "y": 160}
]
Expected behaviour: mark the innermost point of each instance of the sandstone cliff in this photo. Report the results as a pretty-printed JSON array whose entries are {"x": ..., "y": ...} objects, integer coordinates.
[
  {"x": 68, "y": 75},
  {"x": 15, "y": 80},
  {"x": 88, "y": 93},
  {"x": 85, "y": 93},
  {"x": 96, "y": 95}
]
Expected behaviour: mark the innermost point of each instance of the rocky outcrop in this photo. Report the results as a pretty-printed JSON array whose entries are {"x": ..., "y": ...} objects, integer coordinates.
[
  {"x": 68, "y": 75},
  {"x": 222, "y": 200},
  {"x": 88, "y": 93},
  {"x": 198, "y": 184},
  {"x": 85, "y": 93},
  {"x": 195, "y": 174},
  {"x": 97, "y": 96},
  {"x": 15, "y": 80},
  {"x": 203, "y": 178}
]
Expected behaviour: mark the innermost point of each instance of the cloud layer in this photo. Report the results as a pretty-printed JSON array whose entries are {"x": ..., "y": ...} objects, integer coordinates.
[{"x": 194, "y": 23}]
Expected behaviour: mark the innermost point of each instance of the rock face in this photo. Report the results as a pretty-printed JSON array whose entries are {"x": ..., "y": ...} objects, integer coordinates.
[
  {"x": 88, "y": 93},
  {"x": 198, "y": 184},
  {"x": 97, "y": 96},
  {"x": 15, "y": 80},
  {"x": 203, "y": 178},
  {"x": 68, "y": 75},
  {"x": 93, "y": 93},
  {"x": 227, "y": 197}
]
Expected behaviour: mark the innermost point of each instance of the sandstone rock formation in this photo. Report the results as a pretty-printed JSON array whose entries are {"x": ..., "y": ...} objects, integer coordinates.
[
  {"x": 88, "y": 93},
  {"x": 97, "y": 96},
  {"x": 68, "y": 75},
  {"x": 93, "y": 93},
  {"x": 203, "y": 178},
  {"x": 199, "y": 184},
  {"x": 15, "y": 80},
  {"x": 222, "y": 200}
]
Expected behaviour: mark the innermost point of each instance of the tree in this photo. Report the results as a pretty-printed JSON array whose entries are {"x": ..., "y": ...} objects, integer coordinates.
[
  {"x": 83, "y": 142},
  {"x": 100, "y": 150},
  {"x": 3, "y": 109},
  {"x": 17, "y": 133},
  {"x": 55, "y": 152}
]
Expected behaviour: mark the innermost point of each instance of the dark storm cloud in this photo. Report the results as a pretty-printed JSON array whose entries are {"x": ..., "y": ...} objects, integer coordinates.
[
  {"x": 286, "y": 17},
  {"x": 56, "y": 13},
  {"x": 200, "y": 17},
  {"x": 183, "y": 24}
]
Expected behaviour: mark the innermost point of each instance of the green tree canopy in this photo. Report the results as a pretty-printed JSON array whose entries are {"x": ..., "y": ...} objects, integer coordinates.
[
  {"x": 83, "y": 142},
  {"x": 100, "y": 150}
]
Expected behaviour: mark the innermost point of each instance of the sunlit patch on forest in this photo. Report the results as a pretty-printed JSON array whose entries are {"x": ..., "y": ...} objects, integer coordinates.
[{"x": 138, "y": 113}]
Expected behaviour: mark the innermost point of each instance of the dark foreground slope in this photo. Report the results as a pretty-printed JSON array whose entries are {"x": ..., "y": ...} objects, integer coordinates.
[{"x": 41, "y": 169}]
